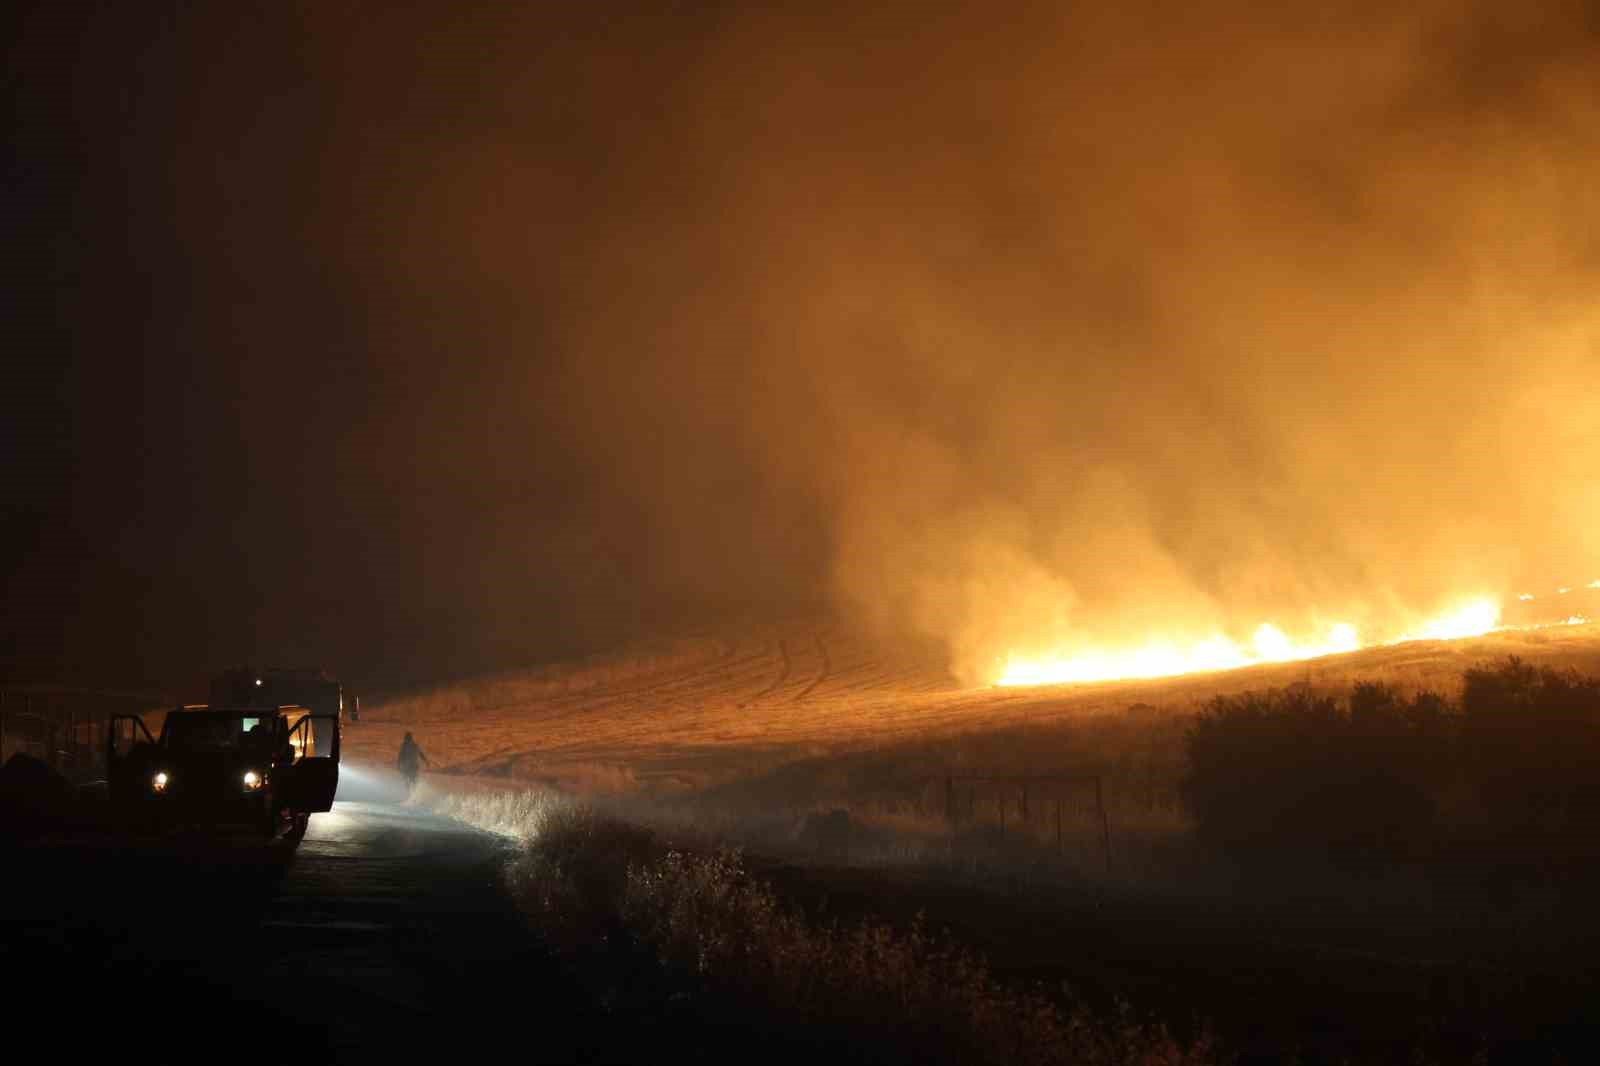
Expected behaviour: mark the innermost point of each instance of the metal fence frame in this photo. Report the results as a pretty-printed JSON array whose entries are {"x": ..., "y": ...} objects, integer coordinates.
[
  {"x": 1022, "y": 784},
  {"x": 63, "y": 728}
]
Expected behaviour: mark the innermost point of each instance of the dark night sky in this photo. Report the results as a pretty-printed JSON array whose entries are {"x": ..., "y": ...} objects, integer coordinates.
[
  {"x": 268, "y": 413},
  {"x": 419, "y": 340}
]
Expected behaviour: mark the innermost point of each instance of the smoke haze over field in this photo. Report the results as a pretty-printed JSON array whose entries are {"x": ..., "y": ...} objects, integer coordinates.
[{"x": 427, "y": 344}]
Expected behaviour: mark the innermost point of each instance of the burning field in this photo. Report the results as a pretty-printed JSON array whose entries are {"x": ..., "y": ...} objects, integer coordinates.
[
  {"x": 1076, "y": 444},
  {"x": 1269, "y": 644},
  {"x": 680, "y": 715},
  {"x": 1252, "y": 840}
]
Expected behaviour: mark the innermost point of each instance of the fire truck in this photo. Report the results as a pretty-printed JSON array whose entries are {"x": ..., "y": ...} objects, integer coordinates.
[
  {"x": 263, "y": 769},
  {"x": 263, "y": 754}
]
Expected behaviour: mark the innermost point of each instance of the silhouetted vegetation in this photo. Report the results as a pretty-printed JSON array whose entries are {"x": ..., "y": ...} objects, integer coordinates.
[
  {"x": 726, "y": 945},
  {"x": 1379, "y": 775},
  {"x": 1447, "y": 836}
]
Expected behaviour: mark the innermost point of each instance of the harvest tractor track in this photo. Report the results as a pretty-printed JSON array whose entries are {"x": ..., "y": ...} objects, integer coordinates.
[
  {"x": 783, "y": 674},
  {"x": 822, "y": 675}
]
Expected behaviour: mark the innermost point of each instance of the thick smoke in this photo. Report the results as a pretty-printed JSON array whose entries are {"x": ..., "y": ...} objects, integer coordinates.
[
  {"x": 1035, "y": 330},
  {"x": 1198, "y": 324},
  {"x": 1102, "y": 326},
  {"x": 1016, "y": 328}
]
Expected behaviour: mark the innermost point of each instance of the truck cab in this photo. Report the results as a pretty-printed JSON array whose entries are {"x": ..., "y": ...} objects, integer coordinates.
[
  {"x": 311, "y": 688},
  {"x": 259, "y": 768}
]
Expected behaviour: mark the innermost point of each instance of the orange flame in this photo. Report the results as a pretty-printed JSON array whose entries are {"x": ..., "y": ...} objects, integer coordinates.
[{"x": 1269, "y": 644}]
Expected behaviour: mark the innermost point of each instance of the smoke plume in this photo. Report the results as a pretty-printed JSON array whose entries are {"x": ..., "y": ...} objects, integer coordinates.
[{"x": 1017, "y": 328}]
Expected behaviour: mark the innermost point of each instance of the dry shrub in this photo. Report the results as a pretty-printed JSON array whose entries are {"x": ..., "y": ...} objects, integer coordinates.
[
  {"x": 1293, "y": 770},
  {"x": 1370, "y": 777},
  {"x": 571, "y": 861},
  {"x": 582, "y": 875},
  {"x": 929, "y": 1001},
  {"x": 1530, "y": 749}
]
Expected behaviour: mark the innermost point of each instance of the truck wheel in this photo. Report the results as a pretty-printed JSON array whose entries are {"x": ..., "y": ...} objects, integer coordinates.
[{"x": 297, "y": 827}]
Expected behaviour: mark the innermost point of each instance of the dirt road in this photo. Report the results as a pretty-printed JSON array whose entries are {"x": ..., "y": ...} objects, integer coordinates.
[{"x": 384, "y": 935}]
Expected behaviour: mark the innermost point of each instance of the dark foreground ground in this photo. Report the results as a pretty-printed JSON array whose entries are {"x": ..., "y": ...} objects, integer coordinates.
[
  {"x": 385, "y": 935},
  {"x": 1286, "y": 979}
]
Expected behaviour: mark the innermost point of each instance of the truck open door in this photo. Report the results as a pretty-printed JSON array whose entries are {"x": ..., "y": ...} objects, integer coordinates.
[
  {"x": 130, "y": 751},
  {"x": 315, "y": 776}
]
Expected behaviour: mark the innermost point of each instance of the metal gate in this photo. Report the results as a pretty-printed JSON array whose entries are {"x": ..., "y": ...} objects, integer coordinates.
[{"x": 62, "y": 728}]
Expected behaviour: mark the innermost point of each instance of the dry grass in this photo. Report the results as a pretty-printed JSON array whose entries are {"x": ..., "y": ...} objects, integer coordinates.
[
  {"x": 737, "y": 740},
  {"x": 691, "y": 715},
  {"x": 583, "y": 875}
]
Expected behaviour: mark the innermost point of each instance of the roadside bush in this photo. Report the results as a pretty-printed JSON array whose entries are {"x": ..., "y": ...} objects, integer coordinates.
[
  {"x": 870, "y": 992},
  {"x": 1362, "y": 779},
  {"x": 908, "y": 991},
  {"x": 1295, "y": 771},
  {"x": 1530, "y": 746},
  {"x": 571, "y": 862}
]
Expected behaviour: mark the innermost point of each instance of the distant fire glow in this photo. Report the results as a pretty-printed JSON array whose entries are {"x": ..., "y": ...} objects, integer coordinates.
[
  {"x": 1268, "y": 644},
  {"x": 1472, "y": 620}
]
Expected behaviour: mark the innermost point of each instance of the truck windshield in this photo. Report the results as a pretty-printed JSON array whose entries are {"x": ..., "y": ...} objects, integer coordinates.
[{"x": 209, "y": 732}]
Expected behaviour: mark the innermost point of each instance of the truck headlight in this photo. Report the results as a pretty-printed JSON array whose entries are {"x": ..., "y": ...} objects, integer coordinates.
[
  {"x": 252, "y": 781},
  {"x": 158, "y": 783}
]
